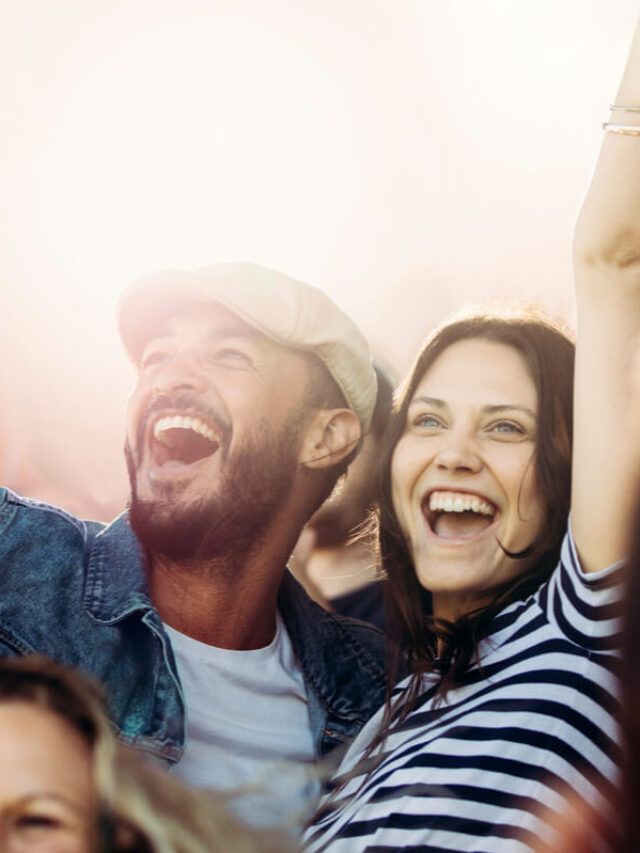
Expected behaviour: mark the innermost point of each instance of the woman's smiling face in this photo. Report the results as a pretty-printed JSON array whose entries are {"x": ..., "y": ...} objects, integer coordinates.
[{"x": 463, "y": 473}]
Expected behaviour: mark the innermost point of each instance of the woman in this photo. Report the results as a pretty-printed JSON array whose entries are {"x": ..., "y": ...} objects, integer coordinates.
[
  {"x": 55, "y": 750},
  {"x": 66, "y": 786},
  {"x": 510, "y": 635}
]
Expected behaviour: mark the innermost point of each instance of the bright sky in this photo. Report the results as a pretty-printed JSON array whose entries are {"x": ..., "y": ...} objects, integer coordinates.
[{"x": 406, "y": 155}]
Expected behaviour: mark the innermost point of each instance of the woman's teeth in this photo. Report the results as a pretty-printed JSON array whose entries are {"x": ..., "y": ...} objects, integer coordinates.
[{"x": 459, "y": 502}]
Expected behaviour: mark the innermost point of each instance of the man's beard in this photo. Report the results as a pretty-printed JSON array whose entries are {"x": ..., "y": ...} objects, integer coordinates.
[{"x": 231, "y": 521}]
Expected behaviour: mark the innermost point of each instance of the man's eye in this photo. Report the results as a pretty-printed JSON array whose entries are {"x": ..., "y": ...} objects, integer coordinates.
[
  {"x": 152, "y": 358},
  {"x": 232, "y": 356}
]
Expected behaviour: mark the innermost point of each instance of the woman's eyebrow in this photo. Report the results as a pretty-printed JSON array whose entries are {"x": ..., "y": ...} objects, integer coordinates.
[
  {"x": 429, "y": 401},
  {"x": 509, "y": 407},
  {"x": 489, "y": 409}
]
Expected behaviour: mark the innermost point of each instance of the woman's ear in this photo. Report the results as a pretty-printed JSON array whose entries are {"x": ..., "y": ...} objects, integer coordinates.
[{"x": 331, "y": 435}]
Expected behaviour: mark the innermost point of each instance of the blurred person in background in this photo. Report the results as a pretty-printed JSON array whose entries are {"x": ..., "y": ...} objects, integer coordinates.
[
  {"x": 507, "y": 485},
  {"x": 67, "y": 785},
  {"x": 335, "y": 558},
  {"x": 252, "y": 394}
]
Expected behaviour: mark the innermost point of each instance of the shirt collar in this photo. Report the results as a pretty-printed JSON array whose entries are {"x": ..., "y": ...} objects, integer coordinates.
[{"x": 116, "y": 574}]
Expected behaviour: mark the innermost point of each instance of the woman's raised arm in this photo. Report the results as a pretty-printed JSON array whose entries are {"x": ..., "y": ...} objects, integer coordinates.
[{"x": 607, "y": 269}]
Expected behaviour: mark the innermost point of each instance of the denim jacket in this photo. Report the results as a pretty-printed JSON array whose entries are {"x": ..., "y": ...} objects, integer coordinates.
[{"x": 76, "y": 591}]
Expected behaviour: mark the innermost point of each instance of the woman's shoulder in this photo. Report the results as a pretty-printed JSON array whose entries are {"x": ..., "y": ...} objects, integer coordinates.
[{"x": 585, "y": 607}]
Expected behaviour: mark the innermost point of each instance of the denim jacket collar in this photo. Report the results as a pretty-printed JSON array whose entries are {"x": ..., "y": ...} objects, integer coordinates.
[
  {"x": 327, "y": 649},
  {"x": 116, "y": 579}
]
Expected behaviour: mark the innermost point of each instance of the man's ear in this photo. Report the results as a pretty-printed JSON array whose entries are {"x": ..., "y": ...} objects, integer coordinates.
[{"x": 330, "y": 436}]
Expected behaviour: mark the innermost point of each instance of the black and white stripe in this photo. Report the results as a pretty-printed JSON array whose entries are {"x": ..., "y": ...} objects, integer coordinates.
[{"x": 476, "y": 772}]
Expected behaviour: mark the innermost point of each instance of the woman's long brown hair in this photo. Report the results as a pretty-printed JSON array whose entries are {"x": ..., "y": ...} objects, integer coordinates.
[{"x": 416, "y": 639}]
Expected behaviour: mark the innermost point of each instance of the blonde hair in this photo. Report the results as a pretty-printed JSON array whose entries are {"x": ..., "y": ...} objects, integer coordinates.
[{"x": 153, "y": 811}]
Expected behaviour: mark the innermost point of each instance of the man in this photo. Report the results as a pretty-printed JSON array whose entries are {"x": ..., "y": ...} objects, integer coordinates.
[{"x": 253, "y": 393}]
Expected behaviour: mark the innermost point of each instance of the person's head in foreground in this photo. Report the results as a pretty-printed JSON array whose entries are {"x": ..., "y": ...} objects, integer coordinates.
[
  {"x": 67, "y": 786},
  {"x": 475, "y": 480},
  {"x": 55, "y": 744},
  {"x": 252, "y": 395}
]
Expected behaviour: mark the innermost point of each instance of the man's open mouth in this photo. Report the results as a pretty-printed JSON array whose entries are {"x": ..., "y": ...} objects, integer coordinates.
[
  {"x": 458, "y": 515},
  {"x": 182, "y": 439}
]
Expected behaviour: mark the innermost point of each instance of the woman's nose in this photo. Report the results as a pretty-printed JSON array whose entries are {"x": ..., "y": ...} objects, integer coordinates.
[{"x": 458, "y": 453}]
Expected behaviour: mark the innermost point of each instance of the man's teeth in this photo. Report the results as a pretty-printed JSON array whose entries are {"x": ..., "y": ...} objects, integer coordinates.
[
  {"x": 181, "y": 422},
  {"x": 457, "y": 502}
]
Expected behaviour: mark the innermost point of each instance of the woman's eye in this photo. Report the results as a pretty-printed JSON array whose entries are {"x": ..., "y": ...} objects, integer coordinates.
[
  {"x": 428, "y": 421},
  {"x": 507, "y": 428},
  {"x": 37, "y": 821}
]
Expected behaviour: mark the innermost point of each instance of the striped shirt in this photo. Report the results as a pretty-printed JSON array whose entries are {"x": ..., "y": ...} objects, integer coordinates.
[{"x": 476, "y": 771}]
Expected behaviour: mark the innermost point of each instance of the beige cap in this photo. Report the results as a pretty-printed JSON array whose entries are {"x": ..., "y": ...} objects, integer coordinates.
[{"x": 290, "y": 312}]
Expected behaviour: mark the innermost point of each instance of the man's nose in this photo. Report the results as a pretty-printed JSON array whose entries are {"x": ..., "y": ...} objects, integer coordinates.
[
  {"x": 181, "y": 372},
  {"x": 459, "y": 453}
]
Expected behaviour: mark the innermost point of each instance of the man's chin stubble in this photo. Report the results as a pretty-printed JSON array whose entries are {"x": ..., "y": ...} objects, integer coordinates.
[{"x": 222, "y": 526}]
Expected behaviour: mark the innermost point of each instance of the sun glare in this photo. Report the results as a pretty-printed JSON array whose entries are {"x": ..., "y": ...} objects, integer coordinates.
[{"x": 404, "y": 156}]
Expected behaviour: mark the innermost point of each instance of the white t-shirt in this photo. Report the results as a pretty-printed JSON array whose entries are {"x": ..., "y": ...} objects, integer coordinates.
[{"x": 248, "y": 726}]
